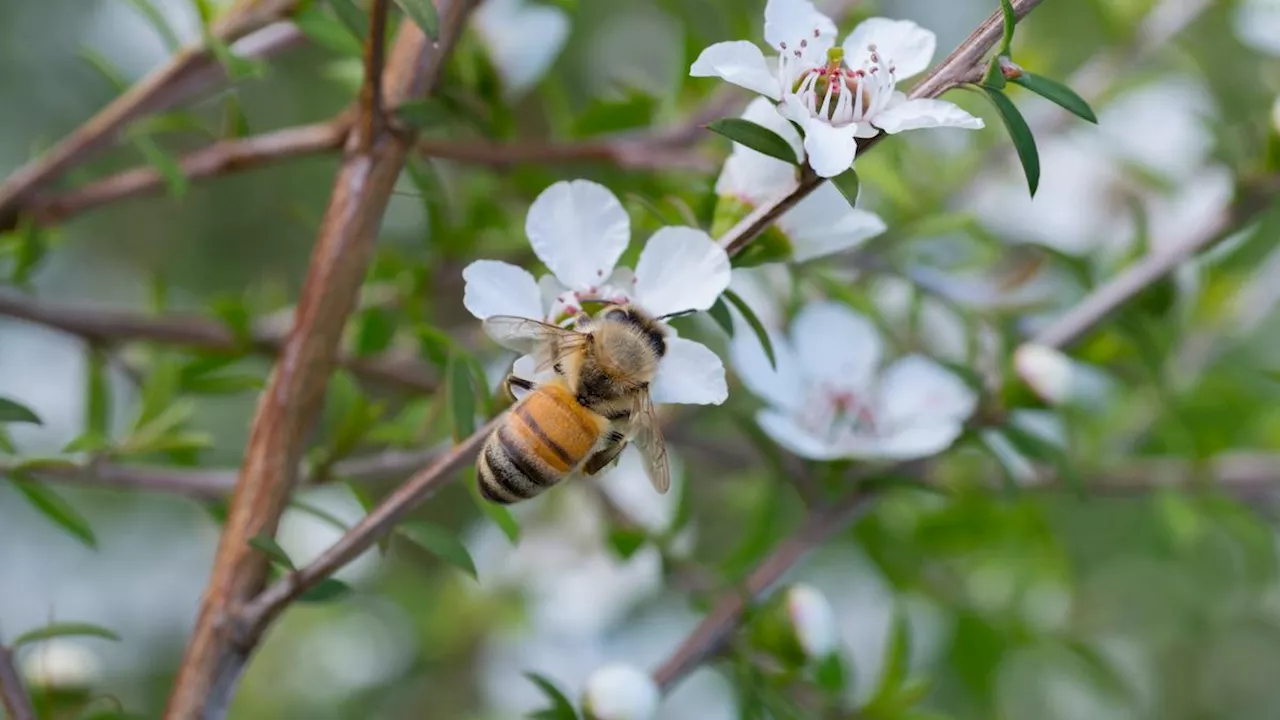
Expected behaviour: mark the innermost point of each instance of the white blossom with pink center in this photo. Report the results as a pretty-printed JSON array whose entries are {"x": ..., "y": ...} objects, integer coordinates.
[
  {"x": 835, "y": 94},
  {"x": 579, "y": 230},
  {"x": 831, "y": 397}
]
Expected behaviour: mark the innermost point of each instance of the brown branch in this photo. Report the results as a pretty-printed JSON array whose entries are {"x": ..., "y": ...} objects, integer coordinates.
[
  {"x": 193, "y": 331},
  {"x": 371, "y": 92},
  {"x": 191, "y": 71},
  {"x": 13, "y": 693},
  {"x": 220, "y": 158},
  {"x": 288, "y": 405}
]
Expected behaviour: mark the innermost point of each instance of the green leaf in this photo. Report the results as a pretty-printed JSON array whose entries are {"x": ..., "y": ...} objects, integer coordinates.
[
  {"x": 720, "y": 313},
  {"x": 626, "y": 541},
  {"x": 832, "y": 675},
  {"x": 561, "y": 708},
  {"x": 105, "y": 69},
  {"x": 164, "y": 163},
  {"x": 268, "y": 546},
  {"x": 235, "y": 124},
  {"x": 232, "y": 312},
  {"x": 847, "y": 183},
  {"x": 377, "y": 328},
  {"x": 89, "y": 442},
  {"x": 63, "y": 629},
  {"x": 322, "y": 515},
  {"x": 1023, "y": 141},
  {"x": 424, "y": 114},
  {"x": 462, "y": 398},
  {"x": 423, "y": 14},
  {"x": 757, "y": 137},
  {"x": 327, "y": 590},
  {"x": 1010, "y": 22},
  {"x": 13, "y": 412},
  {"x": 97, "y": 405},
  {"x": 158, "y": 23},
  {"x": 896, "y": 664},
  {"x": 355, "y": 19},
  {"x": 435, "y": 345},
  {"x": 1057, "y": 93},
  {"x": 756, "y": 326},
  {"x": 611, "y": 116},
  {"x": 1038, "y": 448},
  {"x": 327, "y": 31},
  {"x": 54, "y": 507},
  {"x": 442, "y": 543},
  {"x": 6, "y": 443}
]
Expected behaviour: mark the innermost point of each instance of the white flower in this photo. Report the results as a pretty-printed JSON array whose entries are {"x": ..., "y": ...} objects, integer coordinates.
[
  {"x": 579, "y": 230},
  {"x": 1257, "y": 23},
  {"x": 813, "y": 620},
  {"x": 829, "y": 398},
  {"x": 620, "y": 692},
  {"x": 523, "y": 38},
  {"x": 836, "y": 95},
  {"x": 63, "y": 664},
  {"x": 1046, "y": 370},
  {"x": 821, "y": 224}
]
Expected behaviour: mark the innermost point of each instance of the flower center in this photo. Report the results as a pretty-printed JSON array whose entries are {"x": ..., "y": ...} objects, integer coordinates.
[
  {"x": 840, "y": 93},
  {"x": 833, "y": 413},
  {"x": 570, "y": 303}
]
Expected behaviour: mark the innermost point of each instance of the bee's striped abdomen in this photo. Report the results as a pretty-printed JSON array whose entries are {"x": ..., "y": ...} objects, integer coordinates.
[{"x": 546, "y": 436}]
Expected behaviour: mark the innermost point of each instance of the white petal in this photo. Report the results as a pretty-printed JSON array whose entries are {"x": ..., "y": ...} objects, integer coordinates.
[
  {"x": 924, "y": 439},
  {"x": 903, "y": 44},
  {"x": 526, "y": 366},
  {"x": 493, "y": 288},
  {"x": 795, "y": 21},
  {"x": 689, "y": 374},
  {"x": 680, "y": 268},
  {"x": 621, "y": 692},
  {"x": 916, "y": 391},
  {"x": 762, "y": 112},
  {"x": 813, "y": 620},
  {"x": 782, "y": 387},
  {"x": 578, "y": 229},
  {"x": 754, "y": 177},
  {"x": 787, "y": 433},
  {"x": 831, "y": 149},
  {"x": 739, "y": 62},
  {"x": 522, "y": 38},
  {"x": 916, "y": 114},
  {"x": 824, "y": 224},
  {"x": 837, "y": 347}
]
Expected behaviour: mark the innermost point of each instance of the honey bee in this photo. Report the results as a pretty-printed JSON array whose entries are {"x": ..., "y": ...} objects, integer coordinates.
[{"x": 580, "y": 420}]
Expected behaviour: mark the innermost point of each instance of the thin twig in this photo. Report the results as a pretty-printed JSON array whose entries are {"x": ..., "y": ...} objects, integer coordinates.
[
  {"x": 193, "y": 331},
  {"x": 13, "y": 693},
  {"x": 371, "y": 92},
  {"x": 191, "y": 71},
  {"x": 288, "y": 406}
]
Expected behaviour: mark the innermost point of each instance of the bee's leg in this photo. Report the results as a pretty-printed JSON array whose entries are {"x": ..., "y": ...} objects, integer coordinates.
[
  {"x": 514, "y": 383},
  {"x": 616, "y": 443}
]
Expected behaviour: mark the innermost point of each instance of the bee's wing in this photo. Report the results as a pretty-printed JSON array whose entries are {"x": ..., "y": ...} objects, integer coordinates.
[
  {"x": 647, "y": 436},
  {"x": 546, "y": 342}
]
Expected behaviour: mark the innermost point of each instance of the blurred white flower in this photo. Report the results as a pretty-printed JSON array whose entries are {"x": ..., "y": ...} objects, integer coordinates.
[
  {"x": 1048, "y": 371},
  {"x": 813, "y": 620},
  {"x": 620, "y": 692},
  {"x": 762, "y": 288},
  {"x": 1257, "y": 23},
  {"x": 579, "y": 230},
  {"x": 836, "y": 94},
  {"x": 830, "y": 398},
  {"x": 821, "y": 224},
  {"x": 523, "y": 38},
  {"x": 63, "y": 664}
]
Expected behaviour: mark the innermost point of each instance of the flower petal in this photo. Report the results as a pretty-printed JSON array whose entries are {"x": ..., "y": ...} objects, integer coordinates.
[
  {"x": 754, "y": 177},
  {"x": 578, "y": 229},
  {"x": 904, "y": 45},
  {"x": 824, "y": 224},
  {"x": 497, "y": 288},
  {"x": 838, "y": 347},
  {"x": 831, "y": 149},
  {"x": 680, "y": 268},
  {"x": 790, "y": 435},
  {"x": 782, "y": 387},
  {"x": 526, "y": 367},
  {"x": 924, "y": 439},
  {"x": 916, "y": 114},
  {"x": 739, "y": 62},
  {"x": 523, "y": 39},
  {"x": 918, "y": 391},
  {"x": 790, "y": 22},
  {"x": 689, "y": 374}
]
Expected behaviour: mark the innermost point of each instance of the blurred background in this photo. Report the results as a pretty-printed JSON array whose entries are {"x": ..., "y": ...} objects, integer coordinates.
[{"x": 1151, "y": 594}]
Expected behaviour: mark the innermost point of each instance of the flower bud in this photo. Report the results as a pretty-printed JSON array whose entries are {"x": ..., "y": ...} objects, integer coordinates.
[
  {"x": 62, "y": 665},
  {"x": 1048, "y": 372},
  {"x": 620, "y": 692},
  {"x": 1009, "y": 69},
  {"x": 797, "y": 627}
]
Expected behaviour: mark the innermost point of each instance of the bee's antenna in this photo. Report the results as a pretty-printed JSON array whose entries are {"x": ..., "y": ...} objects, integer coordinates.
[{"x": 679, "y": 313}]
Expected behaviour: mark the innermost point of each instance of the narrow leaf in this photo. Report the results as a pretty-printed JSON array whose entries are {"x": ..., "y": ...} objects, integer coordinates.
[
  {"x": 462, "y": 399},
  {"x": 720, "y": 313},
  {"x": 54, "y": 507},
  {"x": 442, "y": 543},
  {"x": 268, "y": 546},
  {"x": 1057, "y": 93},
  {"x": 327, "y": 590},
  {"x": 1010, "y": 22},
  {"x": 158, "y": 23},
  {"x": 561, "y": 708},
  {"x": 626, "y": 541},
  {"x": 847, "y": 183},
  {"x": 756, "y": 326},
  {"x": 13, "y": 412},
  {"x": 63, "y": 629},
  {"x": 1023, "y": 141},
  {"x": 164, "y": 163},
  {"x": 423, "y": 14},
  {"x": 97, "y": 406},
  {"x": 89, "y": 442},
  {"x": 105, "y": 69},
  {"x": 327, "y": 31},
  {"x": 897, "y": 659},
  {"x": 377, "y": 328},
  {"x": 352, "y": 16},
  {"x": 757, "y": 137},
  {"x": 424, "y": 114}
]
